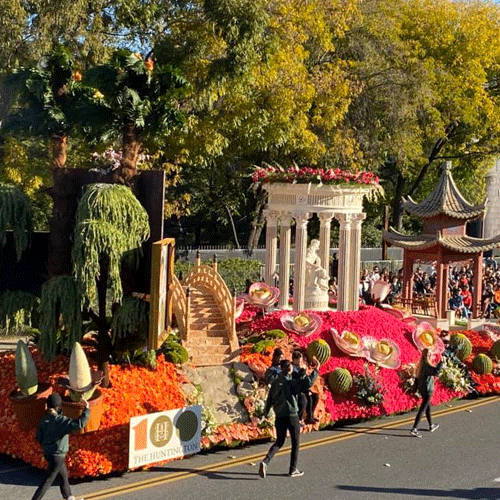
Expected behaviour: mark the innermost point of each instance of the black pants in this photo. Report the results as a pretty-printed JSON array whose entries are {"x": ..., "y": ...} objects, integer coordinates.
[
  {"x": 56, "y": 471},
  {"x": 425, "y": 406},
  {"x": 283, "y": 424},
  {"x": 307, "y": 402}
]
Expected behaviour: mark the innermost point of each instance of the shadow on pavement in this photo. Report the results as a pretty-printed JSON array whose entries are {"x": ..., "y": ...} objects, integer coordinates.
[
  {"x": 231, "y": 475},
  {"x": 474, "y": 494}
]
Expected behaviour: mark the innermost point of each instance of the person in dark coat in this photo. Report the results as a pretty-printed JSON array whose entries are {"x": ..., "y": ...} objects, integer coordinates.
[
  {"x": 52, "y": 434},
  {"x": 274, "y": 370},
  {"x": 426, "y": 372},
  {"x": 283, "y": 399}
]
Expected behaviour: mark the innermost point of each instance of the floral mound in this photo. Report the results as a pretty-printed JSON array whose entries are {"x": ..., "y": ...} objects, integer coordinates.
[
  {"x": 135, "y": 391},
  {"x": 371, "y": 322}
]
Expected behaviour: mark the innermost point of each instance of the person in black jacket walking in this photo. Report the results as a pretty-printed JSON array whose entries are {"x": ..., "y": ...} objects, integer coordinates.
[
  {"x": 426, "y": 372},
  {"x": 283, "y": 399},
  {"x": 52, "y": 434}
]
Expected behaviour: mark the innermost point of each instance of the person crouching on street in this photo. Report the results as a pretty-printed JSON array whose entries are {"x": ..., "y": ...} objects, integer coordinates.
[
  {"x": 52, "y": 434},
  {"x": 283, "y": 399}
]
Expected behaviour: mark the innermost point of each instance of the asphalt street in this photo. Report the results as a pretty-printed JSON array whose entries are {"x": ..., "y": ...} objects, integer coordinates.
[{"x": 376, "y": 460}]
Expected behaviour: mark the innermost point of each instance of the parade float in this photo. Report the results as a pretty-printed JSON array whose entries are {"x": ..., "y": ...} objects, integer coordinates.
[{"x": 107, "y": 308}]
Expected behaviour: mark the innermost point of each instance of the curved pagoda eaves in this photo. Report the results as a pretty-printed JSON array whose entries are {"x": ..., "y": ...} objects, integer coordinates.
[
  {"x": 461, "y": 244},
  {"x": 445, "y": 199}
]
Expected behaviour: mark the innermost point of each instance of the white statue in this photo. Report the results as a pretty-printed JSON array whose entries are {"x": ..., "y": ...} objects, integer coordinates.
[{"x": 316, "y": 275}]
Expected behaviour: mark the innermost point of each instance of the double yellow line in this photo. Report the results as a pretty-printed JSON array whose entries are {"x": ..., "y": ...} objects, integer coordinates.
[{"x": 177, "y": 476}]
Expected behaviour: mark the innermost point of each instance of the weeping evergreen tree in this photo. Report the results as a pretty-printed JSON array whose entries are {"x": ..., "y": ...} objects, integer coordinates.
[
  {"x": 60, "y": 315},
  {"x": 15, "y": 215},
  {"x": 111, "y": 226},
  {"x": 17, "y": 310}
]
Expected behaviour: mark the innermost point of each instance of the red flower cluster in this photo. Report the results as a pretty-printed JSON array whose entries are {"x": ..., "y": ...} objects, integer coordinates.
[
  {"x": 135, "y": 391},
  {"x": 375, "y": 323},
  {"x": 305, "y": 175}
]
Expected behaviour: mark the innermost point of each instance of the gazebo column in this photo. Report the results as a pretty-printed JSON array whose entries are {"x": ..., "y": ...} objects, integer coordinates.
[
  {"x": 443, "y": 298},
  {"x": 299, "y": 268},
  {"x": 285, "y": 243},
  {"x": 478, "y": 285},
  {"x": 355, "y": 260},
  {"x": 344, "y": 262},
  {"x": 325, "y": 224},
  {"x": 271, "y": 246},
  {"x": 408, "y": 277}
]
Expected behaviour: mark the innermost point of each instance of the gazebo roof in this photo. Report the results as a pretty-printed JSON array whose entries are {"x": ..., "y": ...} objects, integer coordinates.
[
  {"x": 445, "y": 199},
  {"x": 462, "y": 244}
]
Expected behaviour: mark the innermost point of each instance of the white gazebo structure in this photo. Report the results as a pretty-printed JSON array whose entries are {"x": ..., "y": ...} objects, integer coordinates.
[{"x": 298, "y": 202}]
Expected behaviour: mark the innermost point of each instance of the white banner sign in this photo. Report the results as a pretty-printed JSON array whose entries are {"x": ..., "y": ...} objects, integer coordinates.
[{"x": 164, "y": 435}]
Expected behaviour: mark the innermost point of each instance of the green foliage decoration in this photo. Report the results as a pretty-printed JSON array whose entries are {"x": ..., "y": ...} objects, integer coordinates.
[
  {"x": 130, "y": 318},
  {"x": 340, "y": 381},
  {"x": 462, "y": 345},
  {"x": 15, "y": 215},
  {"x": 495, "y": 350},
  {"x": 320, "y": 350},
  {"x": 369, "y": 389},
  {"x": 235, "y": 271},
  {"x": 60, "y": 315},
  {"x": 482, "y": 364},
  {"x": 275, "y": 334},
  {"x": 26, "y": 375},
  {"x": 17, "y": 310},
  {"x": 174, "y": 351},
  {"x": 110, "y": 224},
  {"x": 260, "y": 346}
]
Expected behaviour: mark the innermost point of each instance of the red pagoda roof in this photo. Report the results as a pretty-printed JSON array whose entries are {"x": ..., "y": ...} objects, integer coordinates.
[
  {"x": 462, "y": 244},
  {"x": 445, "y": 199}
]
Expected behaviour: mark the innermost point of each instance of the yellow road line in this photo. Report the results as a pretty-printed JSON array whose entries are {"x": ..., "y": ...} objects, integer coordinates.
[{"x": 177, "y": 476}]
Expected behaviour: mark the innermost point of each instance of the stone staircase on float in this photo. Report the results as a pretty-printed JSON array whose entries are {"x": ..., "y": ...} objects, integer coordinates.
[{"x": 208, "y": 342}]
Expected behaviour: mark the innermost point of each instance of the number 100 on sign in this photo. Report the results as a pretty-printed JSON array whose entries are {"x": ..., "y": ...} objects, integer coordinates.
[{"x": 165, "y": 435}]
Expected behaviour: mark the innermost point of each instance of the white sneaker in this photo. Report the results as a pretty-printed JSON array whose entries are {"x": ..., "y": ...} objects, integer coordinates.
[
  {"x": 263, "y": 470},
  {"x": 414, "y": 432},
  {"x": 434, "y": 427}
]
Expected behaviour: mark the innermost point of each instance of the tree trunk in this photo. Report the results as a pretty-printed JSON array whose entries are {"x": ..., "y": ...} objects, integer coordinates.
[
  {"x": 397, "y": 205},
  {"x": 233, "y": 227},
  {"x": 131, "y": 145},
  {"x": 257, "y": 225}
]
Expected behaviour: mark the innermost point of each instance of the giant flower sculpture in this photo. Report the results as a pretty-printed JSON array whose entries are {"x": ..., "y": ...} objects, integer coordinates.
[
  {"x": 349, "y": 342},
  {"x": 262, "y": 295},
  {"x": 302, "y": 323},
  {"x": 380, "y": 291},
  {"x": 240, "y": 306},
  {"x": 426, "y": 336},
  {"x": 384, "y": 352}
]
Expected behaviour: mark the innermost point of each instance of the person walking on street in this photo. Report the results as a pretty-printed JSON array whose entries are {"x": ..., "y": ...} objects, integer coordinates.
[
  {"x": 52, "y": 434},
  {"x": 426, "y": 372},
  {"x": 283, "y": 399}
]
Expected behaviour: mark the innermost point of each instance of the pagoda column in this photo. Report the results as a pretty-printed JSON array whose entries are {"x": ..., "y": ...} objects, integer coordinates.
[
  {"x": 299, "y": 268},
  {"x": 271, "y": 245},
  {"x": 344, "y": 282},
  {"x": 408, "y": 277},
  {"x": 325, "y": 220},
  {"x": 478, "y": 285},
  {"x": 355, "y": 260},
  {"x": 443, "y": 300},
  {"x": 285, "y": 243}
]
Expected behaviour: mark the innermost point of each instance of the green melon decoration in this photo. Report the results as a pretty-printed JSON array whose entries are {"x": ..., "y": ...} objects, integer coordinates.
[
  {"x": 26, "y": 376},
  {"x": 340, "y": 381},
  {"x": 320, "y": 350},
  {"x": 462, "y": 345},
  {"x": 495, "y": 350},
  {"x": 482, "y": 364}
]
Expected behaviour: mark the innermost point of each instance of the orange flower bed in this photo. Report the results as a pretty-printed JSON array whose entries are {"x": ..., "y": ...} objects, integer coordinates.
[{"x": 135, "y": 391}]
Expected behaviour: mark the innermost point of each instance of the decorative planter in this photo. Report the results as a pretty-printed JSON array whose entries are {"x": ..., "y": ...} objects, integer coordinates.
[
  {"x": 30, "y": 409},
  {"x": 74, "y": 409}
]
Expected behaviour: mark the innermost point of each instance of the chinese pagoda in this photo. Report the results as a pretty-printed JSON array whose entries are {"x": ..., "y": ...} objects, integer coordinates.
[{"x": 445, "y": 213}]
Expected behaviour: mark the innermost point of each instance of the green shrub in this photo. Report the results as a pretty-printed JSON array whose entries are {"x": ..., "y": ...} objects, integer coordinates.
[
  {"x": 235, "y": 271},
  {"x": 275, "y": 334},
  {"x": 260, "y": 346}
]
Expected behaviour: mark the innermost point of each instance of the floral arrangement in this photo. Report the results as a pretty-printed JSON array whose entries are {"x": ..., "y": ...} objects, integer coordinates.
[
  {"x": 369, "y": 388},
  {"x": 455, "y": 375},
  {"x": 302, "y": 323},
  {"x": 262, "y": 295},
  {"x": 408, "y": 376},
  {"x": 426, "y": 336},
  {"x": 306, "y": 175}
]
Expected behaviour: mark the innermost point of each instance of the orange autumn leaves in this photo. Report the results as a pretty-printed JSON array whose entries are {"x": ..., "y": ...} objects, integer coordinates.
[{"x": 135, "y": 391}]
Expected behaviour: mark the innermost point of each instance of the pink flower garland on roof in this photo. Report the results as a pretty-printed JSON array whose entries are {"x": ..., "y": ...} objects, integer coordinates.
[{"x": 305, "y": 175}]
